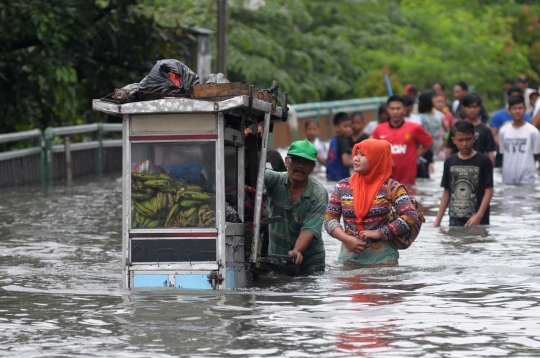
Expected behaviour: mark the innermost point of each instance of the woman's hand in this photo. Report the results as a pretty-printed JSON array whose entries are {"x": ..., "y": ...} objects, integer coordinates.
[
  {"x": 354, "y": 244},
  {"x": 369, "y": 235}
]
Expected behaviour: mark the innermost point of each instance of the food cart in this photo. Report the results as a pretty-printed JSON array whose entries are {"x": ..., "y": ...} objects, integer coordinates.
[{"x": 185, "y": 162}]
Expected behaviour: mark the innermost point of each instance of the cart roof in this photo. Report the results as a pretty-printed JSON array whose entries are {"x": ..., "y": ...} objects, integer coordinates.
[{"x": 188, "y": 105}]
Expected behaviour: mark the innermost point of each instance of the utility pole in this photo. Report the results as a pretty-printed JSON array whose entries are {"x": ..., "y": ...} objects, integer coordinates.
[{"x": 222, "y": 37}]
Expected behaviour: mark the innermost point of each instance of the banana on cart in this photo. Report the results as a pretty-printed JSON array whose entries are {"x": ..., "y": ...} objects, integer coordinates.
[{"x": 158, "y": 200}]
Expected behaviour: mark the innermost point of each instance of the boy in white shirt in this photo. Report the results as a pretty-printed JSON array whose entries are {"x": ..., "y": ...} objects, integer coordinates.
[
  {"x": 312, "y": 131},
  {"x": 519, "y": 144}
]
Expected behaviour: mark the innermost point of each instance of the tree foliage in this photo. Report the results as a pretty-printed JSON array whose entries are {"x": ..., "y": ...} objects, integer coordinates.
[{"x": 56, "y": 57}]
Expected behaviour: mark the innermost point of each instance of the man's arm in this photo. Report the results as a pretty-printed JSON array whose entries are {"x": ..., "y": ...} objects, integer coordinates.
[
  {"x": 477, "y": 218},
  {"x": 311, "y": 227},
  {"x": 535, "y": 121},
  {"x": 321, "y": 160},
  {"x": 271, "y": 179},
  {"x": 491, "y": 156},
  {"x": 424, "y": 139},
  {"x": 347, "y": 160},
  {"x": 445, "y": 199},
  {"x": 344, "y": 150},
  {"x": 301, "y": 245},
  {"x": 495, "y": 132}
]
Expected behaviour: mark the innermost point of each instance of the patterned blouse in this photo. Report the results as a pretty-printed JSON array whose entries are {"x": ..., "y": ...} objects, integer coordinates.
[{"x": 380, "y": 251}]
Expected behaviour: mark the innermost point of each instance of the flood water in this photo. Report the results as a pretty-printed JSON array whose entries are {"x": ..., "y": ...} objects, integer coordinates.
[{"x": 457, "y": 292}]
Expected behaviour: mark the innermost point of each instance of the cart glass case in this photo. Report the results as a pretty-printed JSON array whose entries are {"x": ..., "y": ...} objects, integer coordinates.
[{"x": 173, "y": 185}]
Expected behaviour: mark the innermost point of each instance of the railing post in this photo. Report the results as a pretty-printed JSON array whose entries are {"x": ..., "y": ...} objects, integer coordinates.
[
  {"x": 99, "y": 154},
  {"x": 48, "y": 136},
  {"x": 69, "y": 163},
  {"x": 40, "y": 142}
]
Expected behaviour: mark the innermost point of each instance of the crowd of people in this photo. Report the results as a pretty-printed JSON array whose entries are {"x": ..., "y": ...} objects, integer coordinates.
[{"x": 386, "y": 154}]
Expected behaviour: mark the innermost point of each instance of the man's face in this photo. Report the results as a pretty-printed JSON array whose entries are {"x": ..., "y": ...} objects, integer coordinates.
[
  {"x": 464, "y": 142},
  {"x": 299, "y": 168},
  {"x": 439, "y": 102},
  {"x": 344, "y": 128},
  {"x": 247, "y": 130},
  {"x": 533, "y": 99},
  {"x": 437, "y": 88},
  {"x": 396, "y": 111},
  {"x": 312, "y": 129},
  {"x": 459, "y": 93},
  {"x": 472, "y": 111},
  {"x": 522, "y": 85},
  {"x": 511, "y": 94},
  {"x": 517, "y": 111},
  {"x": 357, "y": 124}
]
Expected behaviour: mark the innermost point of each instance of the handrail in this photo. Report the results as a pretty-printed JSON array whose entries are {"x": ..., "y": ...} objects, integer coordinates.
[
  {"x": 44, "y": 140},
  {"x": 85, "y": 128},
  {"x": 19, "y": 153},
  {"x": 17, "y": 136},
  {"x": 338, "y": 105},
  {"x": 316, "y": 109},
  {"x": 98, "y": 143}
]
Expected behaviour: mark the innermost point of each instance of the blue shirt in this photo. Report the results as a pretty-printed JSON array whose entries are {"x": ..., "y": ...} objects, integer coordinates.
[
  {"x": 502, "y": 116},
  {"x": 335, "y": 169}
]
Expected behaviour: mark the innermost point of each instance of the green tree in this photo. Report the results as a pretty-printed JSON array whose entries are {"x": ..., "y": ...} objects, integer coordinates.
[{"x": 55, "y": 58}]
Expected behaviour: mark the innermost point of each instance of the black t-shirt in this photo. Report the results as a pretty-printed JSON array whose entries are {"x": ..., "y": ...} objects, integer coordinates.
[
  {"x": 343, "y": 145},
  {"x": 352, "y": 142},
  {"x": 483, "y": 140},
  {"x": 467, "y": 181},
  {"x": 274, "y": 161}
]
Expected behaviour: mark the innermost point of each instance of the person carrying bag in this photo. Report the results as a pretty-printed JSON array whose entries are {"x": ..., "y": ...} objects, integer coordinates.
[{"x": 369, "y": 236}]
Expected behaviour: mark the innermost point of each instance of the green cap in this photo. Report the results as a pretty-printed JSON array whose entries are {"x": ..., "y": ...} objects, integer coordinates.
[{"x": 304, "y": 149}]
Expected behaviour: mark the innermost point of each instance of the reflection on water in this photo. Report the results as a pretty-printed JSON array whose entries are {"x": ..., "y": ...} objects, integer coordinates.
[{"x": 457, "y": 292}]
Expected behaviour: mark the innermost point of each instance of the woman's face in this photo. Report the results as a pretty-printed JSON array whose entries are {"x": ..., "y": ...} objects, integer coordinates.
[
  {"x": 439, "y": 102},
  {"x": 360, "y": 163}
]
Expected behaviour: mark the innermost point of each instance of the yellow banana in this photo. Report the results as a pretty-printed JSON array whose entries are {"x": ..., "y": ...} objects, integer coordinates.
[
  {"x": 172, "y": 212},
  {"x": 154, "y": 223},
  {"x": 186, "y": 203},
  {"x": 140, "y": 196},
  {"x": 143, "y": 210},
  {"x": 196, "y": 195},
  {"x": 158, "y": 183}
]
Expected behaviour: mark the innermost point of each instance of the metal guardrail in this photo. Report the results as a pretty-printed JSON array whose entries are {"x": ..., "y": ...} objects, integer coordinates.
[
  {"x": 21, "y": 166},
  {"x": 317, "y": 109},
  {"x": 46, "y": 150},
  {"x": 98, "y": 143},
  {"x": 22, "y": 153}
]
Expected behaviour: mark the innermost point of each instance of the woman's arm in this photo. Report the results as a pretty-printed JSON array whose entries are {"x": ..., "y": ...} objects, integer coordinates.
[
  {"x": 333, "y": 211},
  {"x": 332, "y": 222}
]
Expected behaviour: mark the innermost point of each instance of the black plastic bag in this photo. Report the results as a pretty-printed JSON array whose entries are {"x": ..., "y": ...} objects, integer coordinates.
[{"x": 159, "y": 82}]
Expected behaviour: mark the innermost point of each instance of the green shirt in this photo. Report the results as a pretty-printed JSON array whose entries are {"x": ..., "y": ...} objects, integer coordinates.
[{"x": 305, "y": 215}]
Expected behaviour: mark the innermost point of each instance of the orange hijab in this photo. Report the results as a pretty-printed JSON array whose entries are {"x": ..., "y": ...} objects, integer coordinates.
[{"x": 366, "y": 186}]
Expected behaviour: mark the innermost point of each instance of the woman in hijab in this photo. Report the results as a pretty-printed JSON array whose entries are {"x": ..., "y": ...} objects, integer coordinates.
[{"x": 361, "y": 199}]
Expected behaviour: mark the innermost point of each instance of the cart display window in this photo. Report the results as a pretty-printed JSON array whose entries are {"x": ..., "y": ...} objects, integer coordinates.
[{"x": 173, "y": 185}]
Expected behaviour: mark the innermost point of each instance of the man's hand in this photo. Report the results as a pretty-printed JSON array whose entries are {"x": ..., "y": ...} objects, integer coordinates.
[
  {"x": 474, "y": 220},
  {"x": 299, "y": 257},
  {"x": 354, "y": 244}
]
